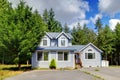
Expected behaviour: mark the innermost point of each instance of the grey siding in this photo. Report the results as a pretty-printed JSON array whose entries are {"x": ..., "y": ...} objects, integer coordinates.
[
  {"x": 54, "y": 42},
  {"x": 53, "y": 55},
  {"x": 69, "y": 63},
  {"x": 91, "y": 62}
]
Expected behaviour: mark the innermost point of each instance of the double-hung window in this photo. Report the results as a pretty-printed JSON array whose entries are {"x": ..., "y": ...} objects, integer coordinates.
[
  {"x": 44, "y": 41},
  {"x": 89, "y": 55},
  {"x": 62, "y": 56},
  {"x": 63, "y": 41},
  {"x": 42, "y": 56}
]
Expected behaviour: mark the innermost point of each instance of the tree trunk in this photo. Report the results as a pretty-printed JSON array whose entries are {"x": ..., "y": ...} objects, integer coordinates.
[{"x": 19, "y": 65}]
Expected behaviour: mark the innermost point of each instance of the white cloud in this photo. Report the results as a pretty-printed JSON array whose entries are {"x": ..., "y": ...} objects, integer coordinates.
[
  {"x": 113, "y": 23},
  {"x": 66, "y": 11},
  {"x": 109, "y": 7},
  {"x": 93, "y": 19}
]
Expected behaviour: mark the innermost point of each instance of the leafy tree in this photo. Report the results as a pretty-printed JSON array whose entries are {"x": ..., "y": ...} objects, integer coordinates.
[
  {"x": 52, "y": 24},
  {"x": 22, "y": 33}
]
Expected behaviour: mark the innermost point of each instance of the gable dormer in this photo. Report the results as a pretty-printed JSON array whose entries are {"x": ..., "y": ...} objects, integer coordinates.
[
  {"x": 56, "y": 39},
  {"x": 64, "y": 39},
  {"x": 45, "y": 42}
]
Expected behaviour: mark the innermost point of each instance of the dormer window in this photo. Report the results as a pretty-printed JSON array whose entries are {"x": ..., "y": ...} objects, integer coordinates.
[
  {"x": 62, "y": 41},
  {"x": 44, "y": 41}
]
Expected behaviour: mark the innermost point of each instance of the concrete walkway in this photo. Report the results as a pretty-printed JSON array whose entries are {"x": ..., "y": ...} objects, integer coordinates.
[
  {"x": 54, "y": 75},
  {"x": 111, "y": 73}
]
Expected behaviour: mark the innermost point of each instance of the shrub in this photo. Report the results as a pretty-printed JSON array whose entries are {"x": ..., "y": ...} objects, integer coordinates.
[{"x": 52, "y": 64}]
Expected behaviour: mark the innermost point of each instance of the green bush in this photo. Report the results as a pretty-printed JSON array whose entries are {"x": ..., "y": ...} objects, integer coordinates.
[{"x": 52, "y": 64}]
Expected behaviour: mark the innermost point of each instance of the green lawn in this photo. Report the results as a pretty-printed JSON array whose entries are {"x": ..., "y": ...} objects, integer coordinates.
[{"x": 11, "y": 70}]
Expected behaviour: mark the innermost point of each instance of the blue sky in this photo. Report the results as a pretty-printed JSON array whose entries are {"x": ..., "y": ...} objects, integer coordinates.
[{"x": 82, "y": 11}]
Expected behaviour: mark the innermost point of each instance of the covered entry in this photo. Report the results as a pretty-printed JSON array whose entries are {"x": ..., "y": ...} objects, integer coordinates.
[{"x": 78, "y": 61}]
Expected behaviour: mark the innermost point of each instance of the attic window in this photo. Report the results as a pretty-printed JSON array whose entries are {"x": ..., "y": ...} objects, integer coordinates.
[
  {"x": 44, "y": 41},
  {"x": 90, "y": 50},
  {"x": 62, "y": 41}
]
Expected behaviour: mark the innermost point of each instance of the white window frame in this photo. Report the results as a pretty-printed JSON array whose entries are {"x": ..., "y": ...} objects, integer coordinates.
[
  {"x": 45, "y": 39},
  {"x": 43, "y": 53},
  {"x": 63, "y": 58},
  {"x": 64, "y": 40},
  {"x": 87, "y": 55}
]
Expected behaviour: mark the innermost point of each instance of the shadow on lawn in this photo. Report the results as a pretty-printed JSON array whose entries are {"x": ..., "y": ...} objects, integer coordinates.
[{"x": 24, "y": 68}]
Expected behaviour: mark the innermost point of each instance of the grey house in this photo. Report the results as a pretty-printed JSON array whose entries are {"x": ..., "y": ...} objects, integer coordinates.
[{"x": 59, "y": 46}]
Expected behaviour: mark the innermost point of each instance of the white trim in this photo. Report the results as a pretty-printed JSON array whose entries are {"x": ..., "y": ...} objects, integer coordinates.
[
  {"x": 63, "y": 60},
  {"x": 64, "y": 34},
  {"x": 48, "y": 35},
  {"x": 42, "y": 60},
  {"x": 93, "y": 46},
  {"x": 48, "y": 41},
  {"x": 62, "y": 37}
]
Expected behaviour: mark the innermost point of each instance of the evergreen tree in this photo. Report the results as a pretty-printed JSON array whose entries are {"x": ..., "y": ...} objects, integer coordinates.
[
  {"x": 98, "y": 25},
  {"x": 66, "y": 28},
  {"x": 117, "y": 44},
  {"x": 52, "y": 24},
  {"x": 107, "y": 43},
  {"x": 83, "y": 35},
  {"x": 22, "y": 33}
]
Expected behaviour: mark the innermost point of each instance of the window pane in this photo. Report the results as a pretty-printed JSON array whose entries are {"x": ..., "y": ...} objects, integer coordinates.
[
  {"x": 46, "y": 56},
  {"x": 45, "y": 42},
  {"x": 63, "y": 42},
  {"x": 60, "y": 55},
  {"x": 93, "y": 55},
  {"x": 86, "y": 56},
  {"x": 65, "y": 55},
  {"x": 39, "y": 56},
  {"x": 90, "y": 55}
]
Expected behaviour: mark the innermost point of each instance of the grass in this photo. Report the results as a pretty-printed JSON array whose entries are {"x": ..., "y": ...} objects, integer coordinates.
[
  {"x": 96, "y": 69},
  {"x": 11, "y": 70},
  {"x": 93, "y": 75}
]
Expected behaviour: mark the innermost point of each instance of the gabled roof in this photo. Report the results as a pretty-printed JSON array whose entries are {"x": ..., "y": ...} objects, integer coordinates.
[
  {"x": 55, "y": 35},
  {"x": 92, "y": 46},
  {"x": 77, "y": 47}
]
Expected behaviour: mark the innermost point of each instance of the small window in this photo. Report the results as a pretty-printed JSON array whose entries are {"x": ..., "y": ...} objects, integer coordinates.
[
  {"x": 62, "y": 56},
  {"x": 39, "y": 56},
  {"x": 89, "y": 55},
  {"x": 90, "y": 50},
  {"x": 45, "y": 56},
  {"x": 65, "y": 56},
  {"x": 62, "y": 41},
  {"x": 42, "y": 56},
  {"x": 45, "y": 41}
]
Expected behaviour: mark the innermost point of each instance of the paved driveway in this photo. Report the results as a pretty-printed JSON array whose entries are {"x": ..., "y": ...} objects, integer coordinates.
[
  {"x": 108, "y": 73},
  {"x": 54, "y": 75}
]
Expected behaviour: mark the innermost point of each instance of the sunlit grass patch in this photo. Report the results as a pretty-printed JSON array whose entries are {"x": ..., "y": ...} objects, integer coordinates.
[
  {"x": 12, "y": 70},
  {"x": 7, "y": 73},
  {"x": 96, "y": 69}
]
